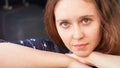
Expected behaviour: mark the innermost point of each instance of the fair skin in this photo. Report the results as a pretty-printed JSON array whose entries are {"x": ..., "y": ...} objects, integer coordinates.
[
  {"x": 17, "y": 56},
  {"x": 78, "y": 25},
  {"x": 104, "y": 60},
  {"x": 100, "y": 60}
]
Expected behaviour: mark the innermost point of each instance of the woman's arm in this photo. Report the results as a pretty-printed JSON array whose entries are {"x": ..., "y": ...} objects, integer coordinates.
[
  {"x": 16, "y": 56},
  {"x": 99, "y": 60},
  {"x": 104, "y": 60}
]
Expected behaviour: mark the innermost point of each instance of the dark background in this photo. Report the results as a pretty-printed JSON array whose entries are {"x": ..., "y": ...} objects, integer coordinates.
[{"x": 22, "y": 19}]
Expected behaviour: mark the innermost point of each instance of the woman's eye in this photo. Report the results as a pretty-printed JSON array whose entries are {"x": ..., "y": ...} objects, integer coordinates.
[
  {"x": 86, "y": 20},
  {"x": 64, "y": 24}
]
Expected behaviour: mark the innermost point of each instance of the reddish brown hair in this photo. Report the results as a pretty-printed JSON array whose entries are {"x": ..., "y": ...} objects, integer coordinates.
[{"x": 109, "y": 14}]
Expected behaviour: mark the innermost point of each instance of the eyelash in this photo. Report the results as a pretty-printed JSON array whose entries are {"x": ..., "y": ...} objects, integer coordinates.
[
  {"x": 84, "y": 21},
  {"x": 64, "y": 24}
]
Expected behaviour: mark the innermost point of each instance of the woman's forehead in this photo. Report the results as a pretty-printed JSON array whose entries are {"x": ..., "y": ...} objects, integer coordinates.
[{"x": 77, "y": 8}]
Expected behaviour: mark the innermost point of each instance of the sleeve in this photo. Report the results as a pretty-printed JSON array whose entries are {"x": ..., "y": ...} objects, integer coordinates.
[
  {"x": 1, "y": 40},
  {"x": 41, "y": 44}
]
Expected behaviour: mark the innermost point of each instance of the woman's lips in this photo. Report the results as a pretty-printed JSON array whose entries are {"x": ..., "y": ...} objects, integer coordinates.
[{"x": 80, "y": 46}]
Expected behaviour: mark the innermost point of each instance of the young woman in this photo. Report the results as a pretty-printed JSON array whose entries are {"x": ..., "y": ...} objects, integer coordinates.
[
  {"x": 81, "y": 26},
  {"x": 84, "y": 26},
  {"x": 90, "y": 24}
]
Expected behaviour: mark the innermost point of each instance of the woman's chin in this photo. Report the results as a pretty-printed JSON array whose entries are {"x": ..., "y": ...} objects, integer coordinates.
[{"x": 82, "y": 54}]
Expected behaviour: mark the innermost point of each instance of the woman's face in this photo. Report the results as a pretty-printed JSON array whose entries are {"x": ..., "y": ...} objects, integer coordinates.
[{"x": 78, "y": 25}]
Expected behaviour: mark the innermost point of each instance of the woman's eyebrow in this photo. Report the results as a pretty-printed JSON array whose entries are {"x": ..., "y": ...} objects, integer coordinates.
[
  {"x": 81, "y": 17},
  {"x": 61, "y": 20},
  {"x": 91, "y": 16}
]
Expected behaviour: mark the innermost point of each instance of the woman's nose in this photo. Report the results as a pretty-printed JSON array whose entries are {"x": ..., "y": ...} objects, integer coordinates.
[{"x": 78, "y": 33}]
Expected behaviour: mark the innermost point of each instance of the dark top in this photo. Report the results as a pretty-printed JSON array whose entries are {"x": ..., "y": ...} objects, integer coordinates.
[
  {"x": 41, "y": 44},
  {"x": 2, "y": 40}
]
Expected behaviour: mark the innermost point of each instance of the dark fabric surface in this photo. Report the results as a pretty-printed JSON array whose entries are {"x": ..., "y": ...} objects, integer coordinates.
[
  {"x": 41, "y": 44},
  {"x": 1, "y": 40}
]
